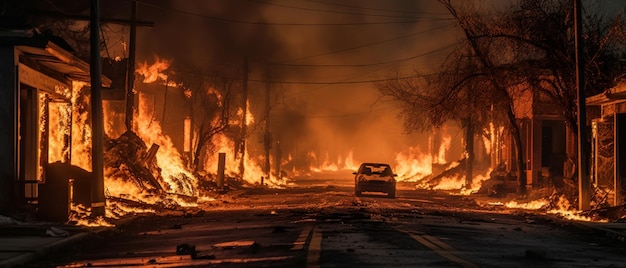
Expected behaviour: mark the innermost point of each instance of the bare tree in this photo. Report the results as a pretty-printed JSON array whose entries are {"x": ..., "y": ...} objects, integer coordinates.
[
  {"x": 528, "y": 47},
  {"x": 209, "y": 97}
]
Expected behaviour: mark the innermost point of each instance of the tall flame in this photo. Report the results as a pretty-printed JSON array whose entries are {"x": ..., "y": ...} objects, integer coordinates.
[
  {"x": 154, "y": 72},
  {"x": 413, "y": 165},
  {"x": 81, "y": 127}
]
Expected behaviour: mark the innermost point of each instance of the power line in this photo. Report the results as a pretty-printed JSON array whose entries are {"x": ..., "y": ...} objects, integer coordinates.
[
  {"x": 367, "y": 64},
  {"x": 226, "y": 20},
  {"x": 366, "y": 45},
  {"x": 352, "y": 114},
  {"x": 321, "y": 87},
  {"x": 376, "y": 9},
  {"x": 338, "y": 82},
  {"x": 342, "y": 12}
]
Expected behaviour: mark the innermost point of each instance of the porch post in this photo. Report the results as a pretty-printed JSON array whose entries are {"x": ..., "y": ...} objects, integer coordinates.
[{"x": 9, "y": 116}]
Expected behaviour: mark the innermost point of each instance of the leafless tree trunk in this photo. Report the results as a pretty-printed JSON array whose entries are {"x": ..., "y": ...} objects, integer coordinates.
[{"x": 492, "y": 77}]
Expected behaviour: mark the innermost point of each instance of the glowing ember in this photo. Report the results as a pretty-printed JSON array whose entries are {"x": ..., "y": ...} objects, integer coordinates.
[
  {"x": 532, "y": 205},
  {"x": 80, "y": 216}
]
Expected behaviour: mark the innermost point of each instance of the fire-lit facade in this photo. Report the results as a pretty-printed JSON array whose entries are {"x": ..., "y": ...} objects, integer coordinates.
[
  {"x": 607, "y": 112},
  {"x": 547, "y": 142},
  {"x": 38, "y": 77}
]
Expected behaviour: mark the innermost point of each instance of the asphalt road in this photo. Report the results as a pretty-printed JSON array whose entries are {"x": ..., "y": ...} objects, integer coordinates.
[{"x": 322, "y": 224}]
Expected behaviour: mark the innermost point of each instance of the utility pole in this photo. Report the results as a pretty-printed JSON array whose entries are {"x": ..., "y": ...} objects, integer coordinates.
[
  {"x": 584, "y": 185},
  {"x": 130, "y": 71},
  {"x": 98, "y": 199},
  {"x": 267, "y": 139},
  {"x": 244, "y": 118}
]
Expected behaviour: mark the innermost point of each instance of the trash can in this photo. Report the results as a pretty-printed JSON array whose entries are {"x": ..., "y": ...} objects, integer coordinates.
[{"x": 55, "y": 200}]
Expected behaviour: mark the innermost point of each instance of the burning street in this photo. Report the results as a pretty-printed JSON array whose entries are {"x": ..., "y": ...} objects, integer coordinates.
[
  {"x": 312, "y": 133},
  {"x": 327, "y": 226}
]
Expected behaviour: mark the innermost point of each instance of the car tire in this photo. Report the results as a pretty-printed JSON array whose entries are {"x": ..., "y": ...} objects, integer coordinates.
[
  {"x": 358, "y": 193},
  {"x": 392, "y": 194}
]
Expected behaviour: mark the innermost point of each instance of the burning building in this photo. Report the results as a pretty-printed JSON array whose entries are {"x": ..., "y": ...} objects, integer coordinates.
[
  {"x": 39, "y": 75},
  {"x": 608, "y": 121}
]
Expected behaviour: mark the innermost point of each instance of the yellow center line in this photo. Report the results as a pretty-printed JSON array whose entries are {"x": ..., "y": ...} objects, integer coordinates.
[
  {"x": 304, "y": 235},
  {"x": 315, "y": 248},
  {"x": 439, "y": 247}
]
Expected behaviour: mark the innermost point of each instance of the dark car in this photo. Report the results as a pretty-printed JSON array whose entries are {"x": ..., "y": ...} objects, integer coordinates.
[{"x": 375, "y": 177}]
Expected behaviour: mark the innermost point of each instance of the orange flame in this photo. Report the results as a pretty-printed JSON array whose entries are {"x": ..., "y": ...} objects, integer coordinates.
[
  {"x": 566, "y": 210},
  {"x": 179, "y": 180},
  {"x": 154, "y": 72}
]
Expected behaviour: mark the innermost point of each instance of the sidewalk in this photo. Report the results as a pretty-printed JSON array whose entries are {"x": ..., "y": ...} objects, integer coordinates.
[{"x": 21, "y": 243}]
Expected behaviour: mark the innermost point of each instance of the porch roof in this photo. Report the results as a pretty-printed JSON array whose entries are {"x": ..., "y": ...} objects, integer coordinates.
[
  {"x": 612, "y": 95},
  {"x": 45, "y": 52}
]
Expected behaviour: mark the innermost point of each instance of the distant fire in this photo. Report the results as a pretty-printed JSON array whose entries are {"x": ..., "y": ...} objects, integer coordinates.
[{"x": 326, "y": 164}]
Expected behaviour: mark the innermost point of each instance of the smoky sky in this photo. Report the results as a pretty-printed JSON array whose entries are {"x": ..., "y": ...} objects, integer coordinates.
[
  {"x": 320, "y": 55},
  {"x": 318, "y": 52}
]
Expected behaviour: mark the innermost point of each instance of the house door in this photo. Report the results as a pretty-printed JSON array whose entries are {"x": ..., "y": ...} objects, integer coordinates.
[
  {"x": 29, "y": 143},
  {"x": 553, "y": 147},
  {"x": 620, "y": 166}
]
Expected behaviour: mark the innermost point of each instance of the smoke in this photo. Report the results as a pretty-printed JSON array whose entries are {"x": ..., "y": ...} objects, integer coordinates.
[{"x": 318, "y": 103}]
